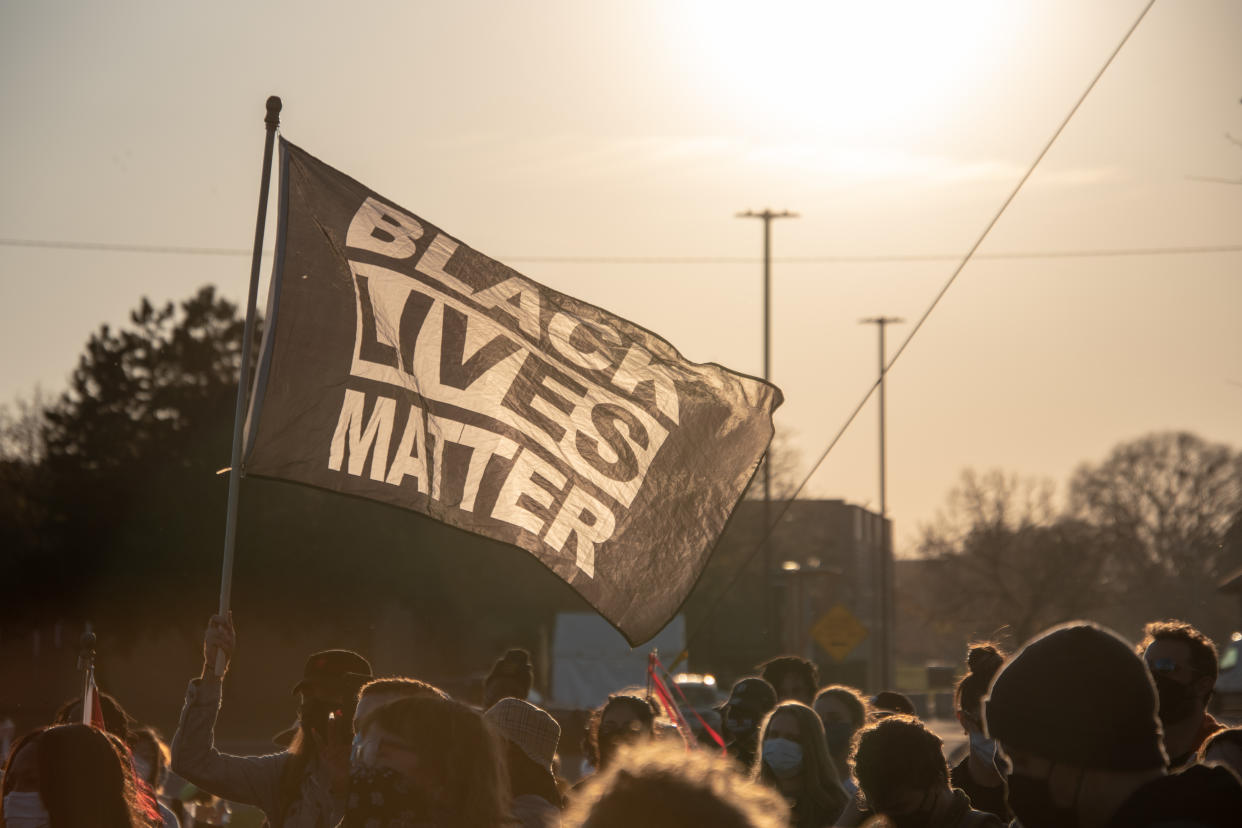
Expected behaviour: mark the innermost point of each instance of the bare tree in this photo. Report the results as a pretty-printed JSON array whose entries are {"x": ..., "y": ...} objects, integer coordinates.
[
  {"x": 1167, "y": 498},
  {"x": 1006, "y": 559},
  {"x": 1165, "y": 503},
  {"x": 23, "y": 482},
  {"x": 21, "y": 428}
]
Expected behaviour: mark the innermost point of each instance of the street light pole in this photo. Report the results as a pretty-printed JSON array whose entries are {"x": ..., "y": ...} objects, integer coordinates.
[
  {"x": 767, "y": 215},
  {"x": 885, "y": 603}
]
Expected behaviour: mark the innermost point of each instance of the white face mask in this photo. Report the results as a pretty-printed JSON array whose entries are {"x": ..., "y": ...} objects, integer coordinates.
[
  {"x": 783, "y": 756},
  {"x": 24, "y": 809}
]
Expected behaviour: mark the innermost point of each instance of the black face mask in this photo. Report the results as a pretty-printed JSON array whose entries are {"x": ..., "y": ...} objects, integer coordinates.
[
  {"x": 383, "y": 797},
  {"x": 839, "y": 735},
  {"x": 740, "y": 725},
  {"x": 1031, "y": 802},
  {"x": 1177, "y": 701}
]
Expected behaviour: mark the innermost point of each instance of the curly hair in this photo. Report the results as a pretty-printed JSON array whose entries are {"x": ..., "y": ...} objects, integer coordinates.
[
  {"x": 897, "y": 753},
  {"x": 1204, "y": 658},
  {"x": 643, "y": 708},
  {"x": 656, "y": 786}
]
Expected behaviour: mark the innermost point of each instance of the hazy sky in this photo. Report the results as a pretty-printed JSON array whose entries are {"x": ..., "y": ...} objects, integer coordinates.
[{"x": 632, "y": 130}]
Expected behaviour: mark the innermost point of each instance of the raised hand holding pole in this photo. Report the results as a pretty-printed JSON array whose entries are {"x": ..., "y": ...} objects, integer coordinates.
[{"x": 230, "y": 522}]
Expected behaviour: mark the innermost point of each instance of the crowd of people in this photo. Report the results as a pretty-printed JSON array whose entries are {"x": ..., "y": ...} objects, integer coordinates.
[{"x": 1076, "y": 728}]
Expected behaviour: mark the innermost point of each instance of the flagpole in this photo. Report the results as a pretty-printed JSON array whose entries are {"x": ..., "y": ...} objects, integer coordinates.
[
  {"x": 86, "y": 663},
  {"x": 272, "y": 121}
]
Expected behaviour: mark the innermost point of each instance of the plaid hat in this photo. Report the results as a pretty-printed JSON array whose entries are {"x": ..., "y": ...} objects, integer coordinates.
[
  {"x": 753, "y": 694},
  {"x": 528, "y": 727},
  {"x": 337, "y": 671},
  {"x": 1077, "y": 694}
]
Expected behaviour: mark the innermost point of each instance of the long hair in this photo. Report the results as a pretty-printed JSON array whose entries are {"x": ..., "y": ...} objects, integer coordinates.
[
  {"x": 456, "y": 746},
  {"x": 301, "y": 750},
  {"x": 84, "y": 782},
  {"x": 147, "y": 738},
  {"x": 6, "y": 778},
  {"x": 822, "y": 799}
]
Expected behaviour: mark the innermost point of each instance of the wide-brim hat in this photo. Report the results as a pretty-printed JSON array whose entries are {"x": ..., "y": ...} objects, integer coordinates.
[
  {"x": 337, "y": 671},
  {"x": 528, "y": 727}
]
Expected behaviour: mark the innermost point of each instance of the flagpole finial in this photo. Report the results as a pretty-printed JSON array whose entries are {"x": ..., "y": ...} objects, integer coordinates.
[
  {"x": 86, "y": 650},
  {"x": 273, "y": 112}
]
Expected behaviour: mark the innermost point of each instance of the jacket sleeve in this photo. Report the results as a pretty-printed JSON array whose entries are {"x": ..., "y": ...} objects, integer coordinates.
[{"x": 250, "y": 780}]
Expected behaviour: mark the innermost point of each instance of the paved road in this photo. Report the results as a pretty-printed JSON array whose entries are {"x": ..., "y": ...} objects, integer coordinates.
[{"x": 950, "y": 732}]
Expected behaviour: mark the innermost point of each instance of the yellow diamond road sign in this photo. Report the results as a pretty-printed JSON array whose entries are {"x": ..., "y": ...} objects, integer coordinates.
[{"x": 838, "y": 632}]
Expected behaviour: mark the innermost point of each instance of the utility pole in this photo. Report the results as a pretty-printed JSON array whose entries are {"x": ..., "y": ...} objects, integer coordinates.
[
  {"x": 767, "y": 215},
  {"x": 885, "y": 592}
]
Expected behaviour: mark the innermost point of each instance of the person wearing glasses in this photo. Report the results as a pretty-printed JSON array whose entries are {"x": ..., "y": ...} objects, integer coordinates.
[
  {"x": 1184, "y": 664},
  {"x": 303, "y": 786},
  {"x": 1074, "y": 717}
]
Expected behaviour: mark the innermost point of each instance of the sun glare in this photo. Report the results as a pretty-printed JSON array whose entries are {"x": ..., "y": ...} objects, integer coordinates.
[{"x": 849, "y": 70}]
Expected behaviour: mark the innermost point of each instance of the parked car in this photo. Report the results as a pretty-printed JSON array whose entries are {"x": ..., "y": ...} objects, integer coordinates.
[{"x": 702, "y": 696}]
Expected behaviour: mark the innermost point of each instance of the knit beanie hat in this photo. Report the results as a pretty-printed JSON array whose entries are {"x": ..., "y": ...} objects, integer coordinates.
[{"x": 1077, "y": 694}]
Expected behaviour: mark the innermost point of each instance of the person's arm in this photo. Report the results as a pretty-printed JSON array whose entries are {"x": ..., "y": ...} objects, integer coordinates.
[{"x": 250, "y": 780}]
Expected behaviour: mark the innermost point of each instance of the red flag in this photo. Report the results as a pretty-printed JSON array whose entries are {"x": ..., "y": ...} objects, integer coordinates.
[{"x": 670, "y": 705}]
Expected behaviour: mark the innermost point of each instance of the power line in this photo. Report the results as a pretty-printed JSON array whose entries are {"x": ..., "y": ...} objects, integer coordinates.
[
  {"x": 909, "y": 257},
  {"x": 104, "y": 247},
  {"x": 768, "y": 530}
]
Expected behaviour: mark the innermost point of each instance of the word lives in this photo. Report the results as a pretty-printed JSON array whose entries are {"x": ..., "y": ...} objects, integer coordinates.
[{"x": 507, "y": 401}]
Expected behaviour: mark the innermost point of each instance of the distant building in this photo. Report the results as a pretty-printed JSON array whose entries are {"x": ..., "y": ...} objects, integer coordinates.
[{"x": 824, "y": 555}]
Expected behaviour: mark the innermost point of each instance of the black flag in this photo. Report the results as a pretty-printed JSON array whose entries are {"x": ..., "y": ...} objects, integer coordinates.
[{"x": 400, "y": 365}]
